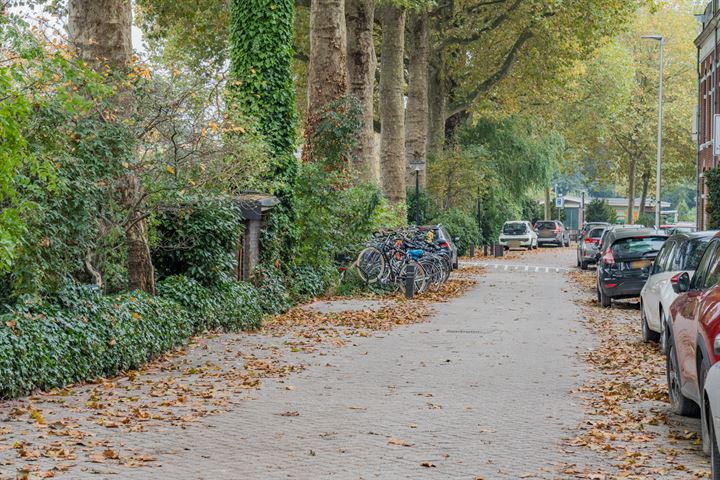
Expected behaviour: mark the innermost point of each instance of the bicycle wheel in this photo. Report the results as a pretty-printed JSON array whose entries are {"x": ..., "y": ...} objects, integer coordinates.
[
  {"x": 420, "y": 278},
  {"x": 371, "y": 264}
]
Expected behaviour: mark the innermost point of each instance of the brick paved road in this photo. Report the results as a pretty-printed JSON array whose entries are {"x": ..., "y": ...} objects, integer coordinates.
[{"x": 481, "y": 391}]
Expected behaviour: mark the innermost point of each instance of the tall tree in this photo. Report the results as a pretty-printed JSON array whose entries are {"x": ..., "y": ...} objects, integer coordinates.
[
  {"x": 100, "y": 30},
  {"x": 362, "y": 64},
  {"x": 392, "y": 105},
  {"x": 327, "y": 71},
  {"x": 261, "y": 86},
  {"x": 416, "y": 121}
]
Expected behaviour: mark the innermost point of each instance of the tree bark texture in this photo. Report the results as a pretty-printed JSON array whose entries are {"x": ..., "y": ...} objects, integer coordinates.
[
  {"x": 437, "y": 103},
  {"x": 631, "y": 191},
  {"x": 392, "y": 105},
  {"x": 547, "y": 204},
  {"x": 416, "y": 122},
  {"x": 645, "y": 178},
  {"x": 327, "y": 69},
  {"x": 362, "y": 64},
  {"x": 100, "y": 30}
]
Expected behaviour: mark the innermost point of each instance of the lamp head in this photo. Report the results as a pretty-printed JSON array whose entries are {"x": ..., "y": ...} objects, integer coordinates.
[{"x": 653, "y": 37}]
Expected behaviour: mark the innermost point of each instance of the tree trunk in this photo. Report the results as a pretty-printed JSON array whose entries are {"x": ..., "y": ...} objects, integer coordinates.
[
  {"x": 392, "y": 105},
  {"x": 100, "y": 30},
  {"x": 327, "y": 69},
  {"x": 362, "y": 64},
  {"x": 437, "y": 104},
  {"x": 416, "y": 123},
  {"x": 631, "y": 192},
  {"x": 643, "y": 197},
  {"x": 548, "y": 211}
]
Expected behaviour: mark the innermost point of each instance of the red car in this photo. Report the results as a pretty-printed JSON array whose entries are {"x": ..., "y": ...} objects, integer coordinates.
[{"x": 694, "y": 343}]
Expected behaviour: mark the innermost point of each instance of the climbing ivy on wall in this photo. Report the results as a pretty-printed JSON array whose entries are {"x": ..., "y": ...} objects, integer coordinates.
[
  {"x": 261, "y": 87},
  {"x": 712, "y": 181}
]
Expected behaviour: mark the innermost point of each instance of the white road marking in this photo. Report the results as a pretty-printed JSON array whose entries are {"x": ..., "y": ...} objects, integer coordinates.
[{"x": 515, "y": 267}]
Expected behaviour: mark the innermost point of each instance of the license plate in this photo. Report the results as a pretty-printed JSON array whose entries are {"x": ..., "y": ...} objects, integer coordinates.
[
  {"x": 515, "y": 243},
  {"x": 640, "y": 264}
]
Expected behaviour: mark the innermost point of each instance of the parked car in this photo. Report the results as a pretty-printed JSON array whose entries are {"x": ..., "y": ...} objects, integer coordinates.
[
  {"x": 679, "y": 228},
  {"x": 694, "y": 334},
  {"x": 587, "y": 247},
  {"x": 711, "y": 402},
  {"x": 587, "y": 226},
  {"x": 443, "y": 239},
  {"x": 681, "y": 253},
  {"x": 625, "y": 262},
  {"x": 552, "y": 232},
  {"x": 613, "y": 228},
  {"x": 518, "y": 234}
]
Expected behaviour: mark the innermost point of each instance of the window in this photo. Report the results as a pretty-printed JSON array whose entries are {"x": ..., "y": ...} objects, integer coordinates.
[
  {"x": 596, "y": 232},
  {"x": 514, "y": 229},
  {"x": 637, "y": 247},
  {"x": 698, "y": 280},
  {"x": 661, "y": 262},
  {"x": 691, "y": 254},
  {"x": 545, "y": 225},
  {"x": 713, "y": 273}
]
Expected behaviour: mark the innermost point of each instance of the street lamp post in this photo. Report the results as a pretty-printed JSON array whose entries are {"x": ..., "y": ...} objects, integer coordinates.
[
  {"x": 661, "y": 41},
  {"x": 417, "y": 163}
]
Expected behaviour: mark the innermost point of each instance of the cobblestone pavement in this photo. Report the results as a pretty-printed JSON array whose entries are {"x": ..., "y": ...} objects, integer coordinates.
[{"x": 480, "y": 391}]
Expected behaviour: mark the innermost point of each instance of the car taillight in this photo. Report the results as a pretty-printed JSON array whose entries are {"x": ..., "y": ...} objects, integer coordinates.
[
  {"x": 674, "y": 278},
  {"x": 444, "y": 245},
  {"x": 591, "y": 240},
  {"x": 608, "y": 257},
  {"x": 557, "y": 229}
]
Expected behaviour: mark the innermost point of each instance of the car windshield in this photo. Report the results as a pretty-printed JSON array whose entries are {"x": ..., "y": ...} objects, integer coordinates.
[
  {"x": 694, "y": 253},
  {"x": 596, "y": 232},
  {"x": 545, "y": 225},
  {"x": 636, "y": 247},
  {"x": 514, "y": 228}
]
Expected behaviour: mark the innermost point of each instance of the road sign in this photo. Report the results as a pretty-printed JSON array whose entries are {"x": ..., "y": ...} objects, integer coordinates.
[{"x": 560, "y": 202}]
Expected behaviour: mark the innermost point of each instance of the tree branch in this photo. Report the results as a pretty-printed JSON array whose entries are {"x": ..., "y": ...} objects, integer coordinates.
[
  {"x": 499, "y": 20},
  {"x": 488, "y": 83}
]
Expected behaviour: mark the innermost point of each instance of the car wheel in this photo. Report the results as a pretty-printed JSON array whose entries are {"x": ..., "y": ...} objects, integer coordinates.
[
  {"x": 714, "y": 451},
  {"x": 647, "y": 334},
  {"x": 603, "y": 299},
  {"x": 679, "y": 403},
  {"x": 704, "y": 419},
  {"x": 664, "y": 334},
  {"x": 578, "y": 261},
  {"x": 583, "y": 265}
]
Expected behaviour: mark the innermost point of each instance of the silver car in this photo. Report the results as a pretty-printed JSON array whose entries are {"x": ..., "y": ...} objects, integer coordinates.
[{"x": 587, "y": 247}]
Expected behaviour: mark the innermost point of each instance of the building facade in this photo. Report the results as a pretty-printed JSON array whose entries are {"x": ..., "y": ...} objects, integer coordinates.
[{"x": 708, "y": 102}]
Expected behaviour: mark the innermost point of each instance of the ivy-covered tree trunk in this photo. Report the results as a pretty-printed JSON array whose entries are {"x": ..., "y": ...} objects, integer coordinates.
[
  {"x": 327, "y": 69},
  {"x": 100, "y": 30},
  {"x": 362, "y": 63},
  {"x": 416, "y": 123},
  {"x": 392, "y": 105},
  {"x": 261, "y": 87}
]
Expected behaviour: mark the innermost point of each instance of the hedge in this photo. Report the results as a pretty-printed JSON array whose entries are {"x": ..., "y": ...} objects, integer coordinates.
[{"x": 83, "y": 335}]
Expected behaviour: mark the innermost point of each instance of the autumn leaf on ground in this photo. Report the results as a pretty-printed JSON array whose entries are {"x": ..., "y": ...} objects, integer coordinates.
[{"x": 397, "y": 441}]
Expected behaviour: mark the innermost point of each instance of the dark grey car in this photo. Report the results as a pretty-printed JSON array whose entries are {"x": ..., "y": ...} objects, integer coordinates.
[
  {"x": 552, "y": 232},
  {"x": 444, "y": 240}
]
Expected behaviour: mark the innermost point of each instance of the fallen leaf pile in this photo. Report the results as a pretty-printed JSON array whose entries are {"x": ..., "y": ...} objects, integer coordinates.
[
  {"x": 47, "y": 434},
  {"x": 625, "y": 399}
]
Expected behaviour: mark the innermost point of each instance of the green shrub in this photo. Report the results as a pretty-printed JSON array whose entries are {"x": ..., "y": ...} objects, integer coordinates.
[
  {"x": 272, "y": 290},
  {"x": 600, "y": 211},
  {"x": 460, "y": 226},
  {"x": 82, "y": 334},
  {"x": 198, "y": 238},
  {"x": 230, "y": 306},
  {"x": 52, "y": 345},
  {"x": 712, "y": 181},
  {"x": 306, "y": 282}
]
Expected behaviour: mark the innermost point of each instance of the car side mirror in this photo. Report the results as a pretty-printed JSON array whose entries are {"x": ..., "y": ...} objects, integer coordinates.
[{"x": 680, "y": 282}]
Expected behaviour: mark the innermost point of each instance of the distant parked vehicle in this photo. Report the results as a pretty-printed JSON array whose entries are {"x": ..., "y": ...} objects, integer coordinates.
[
  {"x": 614, "y": 228},
  {"x": 679, "y": 228},
  {"x": 625, "y": 262},
  {"x": 443, "y": 239},
  {"x": 587, "y": 226},
  {"x": 694, "y": 335},
  {"x": 587, "y": 247},
  {"x": 552, "y": 232},
  {"x": 518, "y": 234},
  {"x": 681, "y": 253},
  {"x": 711, "y": 401}
]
